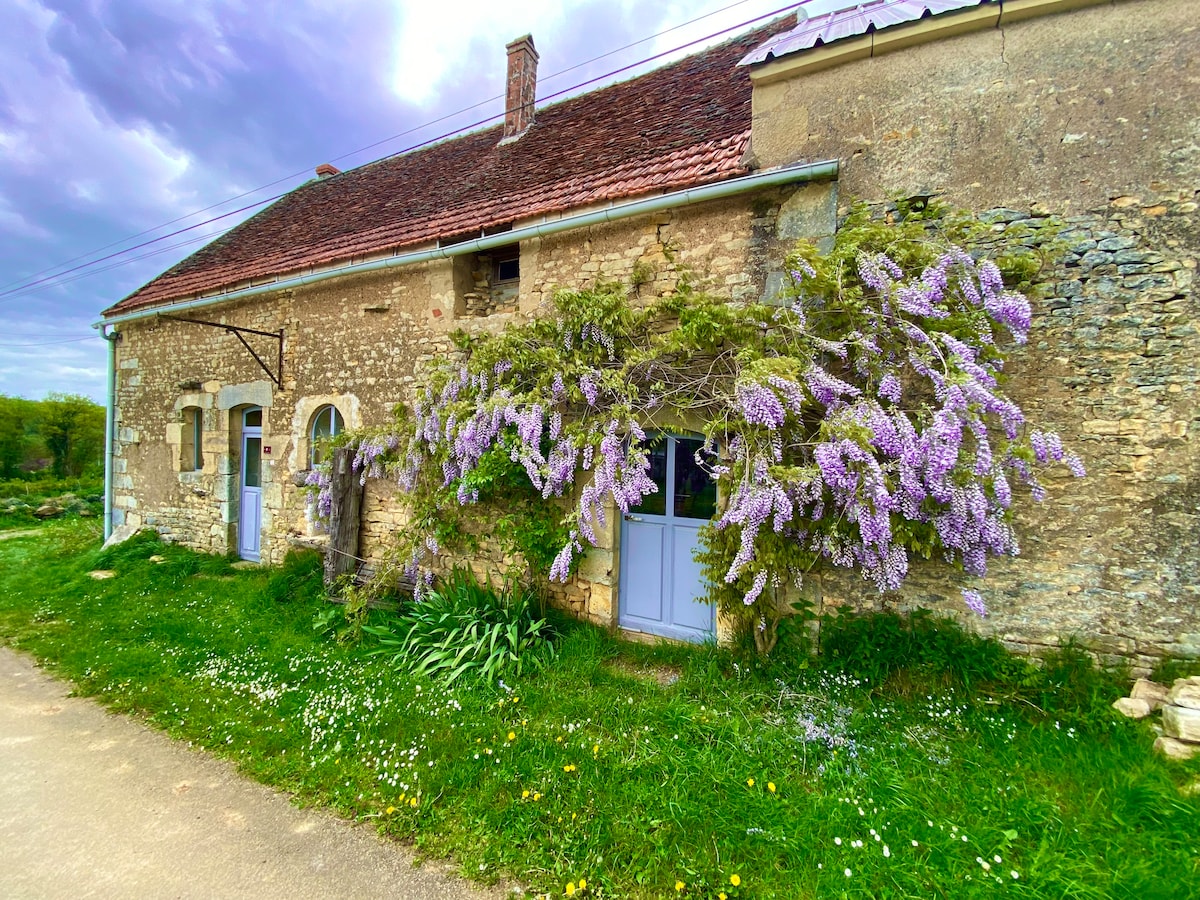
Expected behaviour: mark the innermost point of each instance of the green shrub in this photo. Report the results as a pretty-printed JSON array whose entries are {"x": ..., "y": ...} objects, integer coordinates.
[
  {"x": 465, "y": 628},
  {"x": 1167, "y": 669}
]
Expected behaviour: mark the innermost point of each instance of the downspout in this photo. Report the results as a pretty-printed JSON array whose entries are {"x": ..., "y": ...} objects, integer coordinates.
[{"x": 110, "y": 426}]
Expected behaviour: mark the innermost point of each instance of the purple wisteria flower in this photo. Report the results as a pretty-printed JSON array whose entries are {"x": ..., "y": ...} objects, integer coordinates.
[
  {"x": 975, "y": 603},
  {"x": 759, "y": 405}
]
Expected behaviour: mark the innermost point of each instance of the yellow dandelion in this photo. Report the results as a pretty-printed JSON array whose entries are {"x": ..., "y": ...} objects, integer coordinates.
[
  {"x": 735, "y": 879},
  {"x": 390, "y": 810},
  {"x": 722, "y": 896},
  {"x": 412, "y": 801},
  {"x": 582, "y": 883},
  {"x": 771, "y": 786},
  {"x": 559, "y": 739},
  {"x": 750, "y": 782},
  {"x": 679, "y": 885},
  {"x": 512, "y": 735},
  {"x": 518, "y": 700},
  {"x": 536, "y": 796},
  {"x": 524, "y": 795},
  {"x": 570, "y": 889},
  {"x": 595, "y": 749}
]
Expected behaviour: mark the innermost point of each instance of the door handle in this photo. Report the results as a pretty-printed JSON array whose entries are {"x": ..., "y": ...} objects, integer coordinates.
[{"x": 634, "y": 519}]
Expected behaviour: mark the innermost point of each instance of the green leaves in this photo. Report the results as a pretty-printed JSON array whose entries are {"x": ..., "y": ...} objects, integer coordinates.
[{"x": 466, "y": 629}]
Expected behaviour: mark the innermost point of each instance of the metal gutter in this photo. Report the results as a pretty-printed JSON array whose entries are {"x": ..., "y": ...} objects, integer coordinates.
[{"x": 734, "y": 186}]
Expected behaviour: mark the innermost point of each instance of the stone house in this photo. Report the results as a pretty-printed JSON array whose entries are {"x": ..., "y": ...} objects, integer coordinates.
[{"x": 1079, "y": 113}]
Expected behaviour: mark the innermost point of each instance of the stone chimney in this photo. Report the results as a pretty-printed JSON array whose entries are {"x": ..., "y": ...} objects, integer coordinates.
[{"x": 521, "y": 87}]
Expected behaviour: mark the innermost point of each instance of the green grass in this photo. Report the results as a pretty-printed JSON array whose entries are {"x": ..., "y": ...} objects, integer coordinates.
[{"x": 631, "y": 767}]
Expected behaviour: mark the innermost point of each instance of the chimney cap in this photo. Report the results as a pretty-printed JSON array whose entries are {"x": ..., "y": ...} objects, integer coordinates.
[
  {"x": 324, "y": 170},
  {"x": 515, "y": 44}
]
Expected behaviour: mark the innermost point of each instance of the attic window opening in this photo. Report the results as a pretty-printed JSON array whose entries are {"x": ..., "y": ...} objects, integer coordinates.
[{"x": 506, "y": 267}]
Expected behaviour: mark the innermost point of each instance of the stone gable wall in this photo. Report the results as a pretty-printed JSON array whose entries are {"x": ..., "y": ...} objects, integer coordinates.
[{"x": 1111, "y": 560}]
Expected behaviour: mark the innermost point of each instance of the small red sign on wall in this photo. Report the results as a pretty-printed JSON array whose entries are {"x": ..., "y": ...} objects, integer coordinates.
[{"x": 266, "y": 451}]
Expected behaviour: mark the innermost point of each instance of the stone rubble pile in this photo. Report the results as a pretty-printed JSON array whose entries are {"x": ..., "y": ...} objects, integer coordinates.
[{"x": 1179, "y": 734}]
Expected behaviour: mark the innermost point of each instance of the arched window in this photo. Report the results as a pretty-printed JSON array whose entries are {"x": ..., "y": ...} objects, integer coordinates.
[
  {"x": 326, "y": 423},
  {"x": 191, "y": 445}
]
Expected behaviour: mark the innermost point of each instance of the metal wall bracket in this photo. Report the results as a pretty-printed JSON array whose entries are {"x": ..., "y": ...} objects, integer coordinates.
[{"x": 238, "y": 332}]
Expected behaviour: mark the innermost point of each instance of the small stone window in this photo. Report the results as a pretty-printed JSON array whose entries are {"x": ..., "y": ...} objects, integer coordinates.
[
  {"x": 191, "y": 444},
  {"x": 327, "y": 422}
]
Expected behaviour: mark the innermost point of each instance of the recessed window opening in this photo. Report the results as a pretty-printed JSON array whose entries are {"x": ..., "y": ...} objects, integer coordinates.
[
  {"x": 488, "y": 282},
  {"x": 326, "y": 424},
  {"x": 191, "y": 450},
  {"x": 506, "y": 267}
]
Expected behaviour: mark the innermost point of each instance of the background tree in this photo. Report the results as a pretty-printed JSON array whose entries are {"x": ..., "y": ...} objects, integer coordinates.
[
  {"x": 72, "y": 428},
  {"x": 19, "y": 442}
]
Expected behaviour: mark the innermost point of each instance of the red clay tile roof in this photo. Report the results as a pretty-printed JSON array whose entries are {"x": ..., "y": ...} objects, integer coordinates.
[{"x": 683, "y": 125}]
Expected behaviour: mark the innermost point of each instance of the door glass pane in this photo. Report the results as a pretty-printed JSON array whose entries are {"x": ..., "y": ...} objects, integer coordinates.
[
  {"x": 695, "y": 491},
  {"x": 253, "y": 418},
  {"x": 251, "y": 462},
  {"x": 656, "y": 504}
]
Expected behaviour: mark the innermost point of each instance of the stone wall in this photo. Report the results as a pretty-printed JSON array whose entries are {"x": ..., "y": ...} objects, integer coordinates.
[
  {"x": 1090, "y": 114},
  {"x": 1111, "y": 560}
]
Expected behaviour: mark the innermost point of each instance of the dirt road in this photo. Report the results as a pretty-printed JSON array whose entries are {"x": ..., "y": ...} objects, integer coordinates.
[{"x": 97, "y": 805}]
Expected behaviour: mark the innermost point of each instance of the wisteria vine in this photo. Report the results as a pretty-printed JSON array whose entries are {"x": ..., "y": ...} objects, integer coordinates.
[{"x": 857, "y": 420}]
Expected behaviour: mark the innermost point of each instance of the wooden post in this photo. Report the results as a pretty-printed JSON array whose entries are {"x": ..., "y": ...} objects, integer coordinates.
[{"x": 344, "y": 513}]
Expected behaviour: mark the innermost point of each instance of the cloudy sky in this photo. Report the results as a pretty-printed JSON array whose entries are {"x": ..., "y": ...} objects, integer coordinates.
[{"x": 122, "y": 121}]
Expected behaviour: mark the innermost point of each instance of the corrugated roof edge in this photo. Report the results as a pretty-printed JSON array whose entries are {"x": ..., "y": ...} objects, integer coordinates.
[{"x": 852, "y": 22}]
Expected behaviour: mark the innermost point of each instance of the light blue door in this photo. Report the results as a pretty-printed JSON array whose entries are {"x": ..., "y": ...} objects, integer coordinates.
[
  {"x": 659, "y": 580},
  {"x": 250, "y": 506}
]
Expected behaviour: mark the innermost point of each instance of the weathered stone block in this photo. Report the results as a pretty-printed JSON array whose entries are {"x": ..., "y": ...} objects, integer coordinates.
[
  {"x": 1151, "y": 691},
  {"x": 1131, "y": 708},
  {"x": 1181, "y": 722},
  {"x": 1185, "y": 692},
  {"x": 1175, "y": 749},
  {"x": 600, "y": 603}
]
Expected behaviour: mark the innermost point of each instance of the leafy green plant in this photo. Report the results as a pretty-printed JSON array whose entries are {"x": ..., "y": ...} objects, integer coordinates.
[
  {"x": 465, "y": 628},
  {"x": 1167, "y": 669}
]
